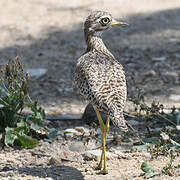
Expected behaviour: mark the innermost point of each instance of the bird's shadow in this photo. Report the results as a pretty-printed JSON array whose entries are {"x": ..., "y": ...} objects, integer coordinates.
[{"x": 60, "y": 172}]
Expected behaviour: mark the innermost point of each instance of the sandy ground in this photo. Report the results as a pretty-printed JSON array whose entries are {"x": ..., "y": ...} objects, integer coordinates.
[{"x": 49, "y": 34}]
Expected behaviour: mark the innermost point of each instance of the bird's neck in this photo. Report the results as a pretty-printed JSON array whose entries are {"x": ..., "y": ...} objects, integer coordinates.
[{"x": 95, "y": 43}]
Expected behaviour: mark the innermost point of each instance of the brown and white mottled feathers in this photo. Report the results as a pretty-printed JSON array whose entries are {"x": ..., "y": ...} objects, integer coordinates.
[{"x": 99, "y": 76}]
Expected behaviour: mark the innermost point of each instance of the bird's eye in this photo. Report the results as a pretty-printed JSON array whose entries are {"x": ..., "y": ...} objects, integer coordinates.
[{"x": 105, "y": 20}]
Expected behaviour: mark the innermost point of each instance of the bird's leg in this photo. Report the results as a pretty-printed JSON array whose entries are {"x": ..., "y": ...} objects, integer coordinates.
[
  {"x": 105, "y": 171},
  {"x": 104, "y": 128}
]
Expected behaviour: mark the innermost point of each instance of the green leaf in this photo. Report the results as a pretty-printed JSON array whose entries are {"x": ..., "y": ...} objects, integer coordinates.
[
  {"x": 10, "y": 136},
  {"x": 151, "y": 174},
  {"x": 22, "y": 130},
  {"x": 35, "y": 126},
  {"x": 14, "y": 97},
  {"x": 27, "y": 142},
  {"x": 5, "y": 103},
  {"x": 4, "y": 90},
  {"x": 146, "y": 167},
  {"x": 178, "y": 166},
  {"x": 126, "y": 140}
]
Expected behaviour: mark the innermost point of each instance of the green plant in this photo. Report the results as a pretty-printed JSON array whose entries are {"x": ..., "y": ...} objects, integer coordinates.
[
  {"x": 154, "y": 111},
  {"x": 148, "y": 170},
  {"x": 168, "y": 169},
  {"x": 15, "y": 126},
  {"x": 13, "y": 93}
]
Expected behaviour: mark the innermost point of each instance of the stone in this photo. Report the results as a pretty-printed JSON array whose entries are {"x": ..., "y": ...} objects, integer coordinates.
[
  {"x": 178, "y": 127},
  {"x": 77, "y": 147},
  {"x": 173, "y": 39},
  {"x": 36, "y": 72},
  {"x": 157, "y": 59},
  {"x": 68, "y": 89},
  {"x": 120, "y": 154},
  {"x": 78, "y": 133},
  {"x": 174, "y": 97},
  {"x": 177, "y": 55},
  {"x": 134, "y": 123},
  {"x": 150, "y": 73},
  {"x": 89, "y": 156},
  {"x": 53, "y": 161},
  {"x": 147, "y": 155},
  {"x": 135, "y": 65},
  {"x": 165, "y": 136},
  {"x": 96, "y": 155},
  {"x": 81, "y": 129},
  {"x": 91, "y": 144},
  {"x": 89, "y": 173},
  {"x": 171, "y": 77}
]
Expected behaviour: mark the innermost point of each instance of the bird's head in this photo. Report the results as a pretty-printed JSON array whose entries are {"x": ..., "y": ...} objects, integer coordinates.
[{"x": 99, "y": 21}]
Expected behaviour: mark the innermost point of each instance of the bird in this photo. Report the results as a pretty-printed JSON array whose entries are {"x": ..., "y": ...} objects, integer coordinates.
[{"x": 100, "y": 78}]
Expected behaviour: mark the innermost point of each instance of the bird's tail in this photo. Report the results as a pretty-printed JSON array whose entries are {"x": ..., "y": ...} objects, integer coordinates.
[{"x": 119, "y": 121}]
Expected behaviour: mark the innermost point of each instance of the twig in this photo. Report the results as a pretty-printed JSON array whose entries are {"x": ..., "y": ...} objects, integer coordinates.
[
  {"x": 136, "y": 132},
  {"x": 165, "y": 119},
  {"x": 129, "y": 115}
]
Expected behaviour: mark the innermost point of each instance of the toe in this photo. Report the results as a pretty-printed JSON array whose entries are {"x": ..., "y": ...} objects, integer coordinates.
[{"x": 104, "y": 171}]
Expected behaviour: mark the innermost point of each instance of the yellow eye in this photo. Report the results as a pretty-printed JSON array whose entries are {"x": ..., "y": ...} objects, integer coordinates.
[{"x": 105, "y": 20}]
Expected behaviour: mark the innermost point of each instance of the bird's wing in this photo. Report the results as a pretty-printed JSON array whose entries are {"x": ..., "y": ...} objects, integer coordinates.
[{"x": 102, "y": 82}]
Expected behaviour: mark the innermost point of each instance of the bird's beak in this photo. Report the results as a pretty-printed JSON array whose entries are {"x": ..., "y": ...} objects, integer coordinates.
[{"x": 119, "y": 24}]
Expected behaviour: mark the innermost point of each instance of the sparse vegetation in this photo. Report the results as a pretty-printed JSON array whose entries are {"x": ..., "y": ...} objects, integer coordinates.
[
  {"x": 162, "y": 136},
  {"x": 15, "y": 126}
]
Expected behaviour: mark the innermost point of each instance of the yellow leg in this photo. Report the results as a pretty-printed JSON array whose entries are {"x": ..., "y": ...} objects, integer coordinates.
[
  {"x": 105, "y": 171},
  {"x": 104, "y": 130}
]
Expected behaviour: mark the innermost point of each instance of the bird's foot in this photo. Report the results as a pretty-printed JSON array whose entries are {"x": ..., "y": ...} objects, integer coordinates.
[
  {"x": 104, "y": 171},
  {"x": 99, "y": 167}
]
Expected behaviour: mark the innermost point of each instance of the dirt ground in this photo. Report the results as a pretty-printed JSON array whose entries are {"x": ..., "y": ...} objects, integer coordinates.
[{"x": 49, "y": 34}]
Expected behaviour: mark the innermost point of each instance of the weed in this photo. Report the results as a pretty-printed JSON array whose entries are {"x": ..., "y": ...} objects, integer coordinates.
[
  {"x": 148, "y": 170},
  {"x": 14, "y": 125},
  {"x": 168, "y": 169},
  {"x": 162, "y": 136}
]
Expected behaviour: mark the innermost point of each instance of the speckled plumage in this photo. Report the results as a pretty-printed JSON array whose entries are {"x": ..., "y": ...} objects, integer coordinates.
[{"x": 99, "y": 76}]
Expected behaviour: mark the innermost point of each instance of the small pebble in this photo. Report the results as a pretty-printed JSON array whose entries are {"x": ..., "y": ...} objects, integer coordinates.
[
  {"x": 147, "y": 155},
  {"x": 162, "y": 58},
  {"x": 174, "y": 97},
  {"x": 150, "y": 73}
]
